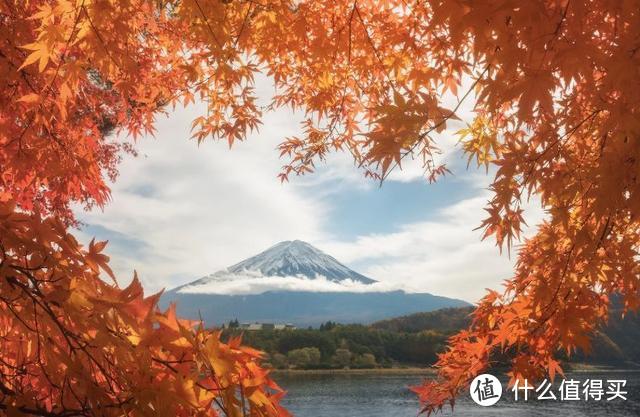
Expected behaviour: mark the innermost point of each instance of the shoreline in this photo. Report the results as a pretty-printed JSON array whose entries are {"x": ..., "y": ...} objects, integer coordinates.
[
  {"x": 582, "y": 367},
  {"x": 430, "y": 371},
  {"x": 373, "y": 371}
]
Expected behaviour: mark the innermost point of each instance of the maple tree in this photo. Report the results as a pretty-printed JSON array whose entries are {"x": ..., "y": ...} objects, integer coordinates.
[{"x": 556, "y": 115}]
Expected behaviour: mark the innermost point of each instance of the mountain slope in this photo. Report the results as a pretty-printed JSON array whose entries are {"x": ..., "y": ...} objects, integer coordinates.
[
  {"x": 285, "y": 259},
  {"x": 305, "y": 308},
  {"x": 294, "y": 258},
  {"x": 446, "y": 320},
  {"x": 614, "y": 343},
  {"x": 274, "y": 286}
]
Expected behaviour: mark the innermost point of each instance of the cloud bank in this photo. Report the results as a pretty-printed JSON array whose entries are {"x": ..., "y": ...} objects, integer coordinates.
[
  {"x": 251, "y": 282},
  {"x": 443, "y": 255},
  {"x": 180, "y": 210}
]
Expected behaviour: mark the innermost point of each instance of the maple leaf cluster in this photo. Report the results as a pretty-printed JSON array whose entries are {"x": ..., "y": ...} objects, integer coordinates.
[
  {"x": 73, "y": 344},
  {"x": 555, "y": 117}
]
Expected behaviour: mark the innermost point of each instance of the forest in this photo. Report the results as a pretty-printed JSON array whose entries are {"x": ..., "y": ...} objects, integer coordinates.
[
  {"x": 410, "y": 341},
  {"x": 356, "y": 346}
]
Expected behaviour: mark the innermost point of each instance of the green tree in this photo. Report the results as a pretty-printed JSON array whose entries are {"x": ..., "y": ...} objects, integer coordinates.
[
  {"x": 314, "y": 355},
  {"x": 324, "y": 341},
  {"x": 298, "y": 357},
  {"x": 365, "y": 361},
  {"x": 308, "y": 356},
  {"x": 342, "y": 357},
  {"x": 328, "y": 326},
  {"x": 279, "y": 361}
]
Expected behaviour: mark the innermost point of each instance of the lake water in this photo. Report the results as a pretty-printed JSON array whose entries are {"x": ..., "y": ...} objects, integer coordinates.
[{"x": 382, "y": 395}]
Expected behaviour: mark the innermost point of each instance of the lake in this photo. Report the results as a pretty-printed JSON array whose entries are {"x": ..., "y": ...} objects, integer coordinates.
[{"x": 383, "y": 395}]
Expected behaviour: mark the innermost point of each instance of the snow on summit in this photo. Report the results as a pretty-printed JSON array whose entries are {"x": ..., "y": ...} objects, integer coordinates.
[
  {"x": 298, "y": 258},
  {"x": 287, "y": 266}
]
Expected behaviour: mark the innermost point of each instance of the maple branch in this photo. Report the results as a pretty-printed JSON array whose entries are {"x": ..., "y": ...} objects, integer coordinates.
[
  {"x": 207, "y": 23},
  {"x": 562, "y": 19},
  {"x": 169, "y": 365},
  {"x": 436, "y": 126},
  {"x": 555, "y": 34},
  {"x": 42, "y": 412},
  {"x": 606, "y": 230},
  {"x": 554, "y": 298},
  {"x": 373, "y": 47},
  {"x": 66, "y": 46},
  {"x": 80, "y": 345},
  {"x": 350, "y": 23},
  {"x": 101, "y": 40},
  {"x": 563, "y": 138},
  {"x": 49, "y": 88},
  {"x": 244, "y": 22}
]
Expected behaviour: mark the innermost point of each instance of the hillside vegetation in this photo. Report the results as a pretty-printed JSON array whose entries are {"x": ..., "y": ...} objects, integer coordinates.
[
  {"x": 338, "y": 346},
  {"x": 412, "y": 340},
  {"x": 445, "y": 320}
]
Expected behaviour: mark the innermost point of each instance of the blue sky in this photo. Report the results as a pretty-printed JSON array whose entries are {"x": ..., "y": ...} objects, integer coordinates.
[
  {"x": 384, "y": 209},
  {"x": 180, "y": 211}
]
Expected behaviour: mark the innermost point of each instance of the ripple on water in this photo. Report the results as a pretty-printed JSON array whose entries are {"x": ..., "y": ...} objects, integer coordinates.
[{"x": 370, "y": 395}]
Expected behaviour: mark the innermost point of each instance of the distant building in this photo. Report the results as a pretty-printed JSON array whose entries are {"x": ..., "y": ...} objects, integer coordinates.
[{"x": 267, "y": 326}]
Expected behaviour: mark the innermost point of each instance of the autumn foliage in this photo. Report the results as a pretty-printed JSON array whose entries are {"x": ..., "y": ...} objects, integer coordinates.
[
  {"x": 555, "y": 85},
  {"x": 73, "y": 344}
]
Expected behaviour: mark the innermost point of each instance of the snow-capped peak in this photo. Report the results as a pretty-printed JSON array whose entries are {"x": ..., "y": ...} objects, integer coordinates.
[
  {"x": 289, "y": 264},
  {"x": 298, "y": 258}
]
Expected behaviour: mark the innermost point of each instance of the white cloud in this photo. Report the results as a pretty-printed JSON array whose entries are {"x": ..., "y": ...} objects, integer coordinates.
[
  {"x": 179, "y": 210},
  {"x": 254, "y": 283},
  {"x": 443, "y": 256}
]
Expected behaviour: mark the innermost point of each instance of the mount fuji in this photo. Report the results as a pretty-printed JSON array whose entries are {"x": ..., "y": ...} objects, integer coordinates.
[{"x": 294, "y": 282}]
